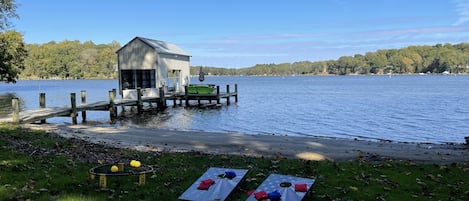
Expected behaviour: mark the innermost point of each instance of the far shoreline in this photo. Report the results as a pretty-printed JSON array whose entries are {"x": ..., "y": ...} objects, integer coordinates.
[{"x": 292, "y": 75}]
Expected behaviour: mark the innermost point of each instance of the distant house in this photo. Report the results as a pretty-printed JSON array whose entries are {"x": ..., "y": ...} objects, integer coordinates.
[{"x": 146, "y": 63}]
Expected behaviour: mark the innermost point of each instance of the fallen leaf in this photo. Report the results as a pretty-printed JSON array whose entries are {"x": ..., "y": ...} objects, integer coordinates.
[
  {"x": 260, "y": 175},
  {"x": 423, "y": 184},
  {"x": 353, "y": 188}
]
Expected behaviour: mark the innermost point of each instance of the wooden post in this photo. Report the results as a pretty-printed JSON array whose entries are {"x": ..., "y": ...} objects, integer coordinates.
[
  {"x": 218, "y": 94},
  {"x": 83, "y": 101},
  {"x": 114, "y": 95},
  {"x": 73, "y": 113},
  {"x": 228, "y": 92},
  {"x": 42, "y": 104},
  {"x": 174, "y": 96},
  {"x": 164, "y": 98},
  {"x": 161, "y": 101},
  {"x": 186, "y": 94},
  {"x": 139, "y": 100},
  {"x": 236, "y": 93},
  {"x": 112, "y": 108},
  {"x": 16, "y": 110}
]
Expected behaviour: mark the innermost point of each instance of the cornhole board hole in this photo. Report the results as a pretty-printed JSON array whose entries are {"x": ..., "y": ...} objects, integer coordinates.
[
  {"x": 290, "y": 188},
  {"x": 219, "y": 190}
]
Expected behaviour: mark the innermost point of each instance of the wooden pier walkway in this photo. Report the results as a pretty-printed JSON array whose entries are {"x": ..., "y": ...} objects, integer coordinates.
[{"x": 43, "y": 113}]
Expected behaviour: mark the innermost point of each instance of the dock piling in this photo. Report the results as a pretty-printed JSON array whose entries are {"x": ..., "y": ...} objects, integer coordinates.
[
  {"x": 218, "y": 94},
  {"x": 161, "y": 104},
  {"x": 236, "y": 93},
  {"x": 228, "y": 92},
  {"x": 112, "y": 107},
  {"x": 42, "y": 104},
  {"x": 139, "y": 100},
  {"x": 114, "y": 97},
  {"x": 186, "y": 94},
  {"x": 73, "y": 113},
  {"x": 16, "y": 110},
  {"x": 83, "y": 101}
]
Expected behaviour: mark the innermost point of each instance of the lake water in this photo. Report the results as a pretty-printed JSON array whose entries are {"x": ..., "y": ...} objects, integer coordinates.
[{"x": 399, "y": 108}]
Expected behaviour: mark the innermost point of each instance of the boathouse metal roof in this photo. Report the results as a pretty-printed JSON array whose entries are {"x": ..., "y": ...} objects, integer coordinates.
[{"x": 160, "y": 46}]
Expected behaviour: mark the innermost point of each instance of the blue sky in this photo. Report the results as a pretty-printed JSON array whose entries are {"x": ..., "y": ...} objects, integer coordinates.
[{"x": 243, "y": 33}]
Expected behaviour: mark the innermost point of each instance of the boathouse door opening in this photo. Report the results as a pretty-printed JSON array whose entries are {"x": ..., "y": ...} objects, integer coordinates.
[
  {"x": 175, "y": 81},
  {"x": 138, "y": 78},
  {"x": 133, "y": 79}
]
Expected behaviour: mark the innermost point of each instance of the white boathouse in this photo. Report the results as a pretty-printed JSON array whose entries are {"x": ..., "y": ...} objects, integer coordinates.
[{"x": 151, "y": 64}]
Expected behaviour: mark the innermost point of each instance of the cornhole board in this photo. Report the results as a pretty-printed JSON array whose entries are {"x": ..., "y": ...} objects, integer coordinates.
[
  {"x": 273, "y": 183},
  {"x": 218, "y": 191}
]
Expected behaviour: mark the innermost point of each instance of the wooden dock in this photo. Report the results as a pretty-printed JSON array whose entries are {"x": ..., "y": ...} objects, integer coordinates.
[{"x": 72, "y": 110}]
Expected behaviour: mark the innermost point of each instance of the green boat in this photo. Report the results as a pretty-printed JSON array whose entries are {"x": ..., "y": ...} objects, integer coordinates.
[{"x": 200, "y": 88}]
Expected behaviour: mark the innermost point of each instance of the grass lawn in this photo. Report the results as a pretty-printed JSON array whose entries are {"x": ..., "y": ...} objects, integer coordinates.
[{"x": 43, "y": 166}]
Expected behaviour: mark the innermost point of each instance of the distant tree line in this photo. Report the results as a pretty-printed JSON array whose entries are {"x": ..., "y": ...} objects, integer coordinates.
[
  {"x": 77, "y": 60},
  {"x": 413, "y": 59},
  {"x": 70, "y": 60}
]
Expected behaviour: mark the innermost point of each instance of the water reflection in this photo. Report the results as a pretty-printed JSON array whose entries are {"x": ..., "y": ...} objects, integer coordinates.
[{"x": 172, "y": 119}]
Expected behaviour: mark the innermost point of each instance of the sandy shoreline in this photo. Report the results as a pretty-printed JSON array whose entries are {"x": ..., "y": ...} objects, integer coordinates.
[{"x": 310, "y": 148}]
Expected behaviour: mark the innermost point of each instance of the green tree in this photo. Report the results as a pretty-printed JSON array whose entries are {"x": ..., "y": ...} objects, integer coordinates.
[
  {"x": 12, "y": 55},
  {"x": 7, "y": 11},
  {"x": 34, "y": 63},
  {"x": 462, "y": 58},
  {"x": 345, "y": 65},
  {"x": 108, "y": 62},
  {"x": 376, "y": 60},
  {"x": 359, "y": 64},
  {"x": 71, "y": 60},
  {"x": 12, "y": 47}
]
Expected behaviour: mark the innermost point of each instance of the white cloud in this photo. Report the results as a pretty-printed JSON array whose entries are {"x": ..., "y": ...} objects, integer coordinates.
[{"x": 462, "y": 9}]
